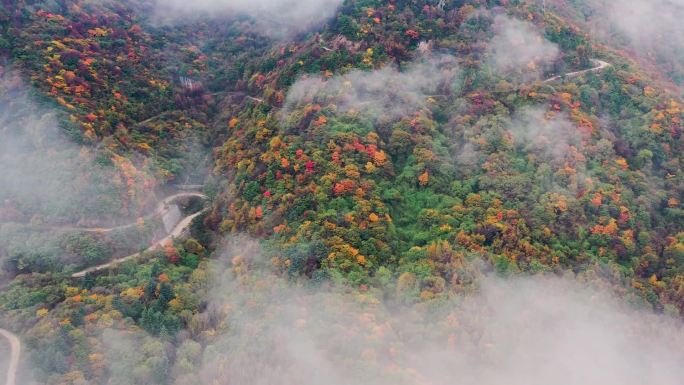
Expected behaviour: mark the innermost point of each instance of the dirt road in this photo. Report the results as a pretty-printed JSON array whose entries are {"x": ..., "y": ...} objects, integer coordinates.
[
  {"x": 598, "y": 66},
  {"x": 15, "y": 346},
  {"x": 176, "y": 232},
  {"x": 160, "y": 210}
]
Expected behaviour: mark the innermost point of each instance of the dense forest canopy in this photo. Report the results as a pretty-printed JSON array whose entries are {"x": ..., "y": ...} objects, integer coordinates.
[{"x": 342, "y": 192}]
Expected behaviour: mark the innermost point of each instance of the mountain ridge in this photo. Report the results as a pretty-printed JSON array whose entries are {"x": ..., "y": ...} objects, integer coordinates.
[{"x": 395, "y": 159}]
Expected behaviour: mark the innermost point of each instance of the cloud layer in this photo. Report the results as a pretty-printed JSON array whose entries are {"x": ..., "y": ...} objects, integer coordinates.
[
  {"x": 525, "y": 331},
  {"x": 518, "y": 49},
  {"x": 540, "y": 131},
  {"x": 273, "y": 17},
  {"x": 388, "y": 91},
  {"x": 647, "y": 24},
  {"x": 46, "y": 177}
]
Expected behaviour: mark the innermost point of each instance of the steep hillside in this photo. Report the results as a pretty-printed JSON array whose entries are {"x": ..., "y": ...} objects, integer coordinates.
[
  {"x": 375, "y": 168},
  {"x": 388, "y": 188}
]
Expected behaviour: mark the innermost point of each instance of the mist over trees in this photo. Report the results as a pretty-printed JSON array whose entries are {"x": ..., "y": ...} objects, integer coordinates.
[
  {"x": 341, "y": 192},
  {"x": 43, "y": 174}
]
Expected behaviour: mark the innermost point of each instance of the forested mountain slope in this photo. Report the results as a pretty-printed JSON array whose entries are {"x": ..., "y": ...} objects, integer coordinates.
[{"x": 369, "y": 176}]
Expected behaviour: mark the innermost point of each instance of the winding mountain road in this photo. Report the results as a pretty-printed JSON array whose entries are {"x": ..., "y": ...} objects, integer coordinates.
[
  {"x": 175, "y": 232},
  {"x": 15, "y": 346},
  {"x": 598, "y": 66},
  {"x": 161, "y": 209}
]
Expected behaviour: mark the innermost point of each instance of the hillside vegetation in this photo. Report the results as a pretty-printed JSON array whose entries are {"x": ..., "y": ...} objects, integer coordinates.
[{"x": 369, "y": 177}]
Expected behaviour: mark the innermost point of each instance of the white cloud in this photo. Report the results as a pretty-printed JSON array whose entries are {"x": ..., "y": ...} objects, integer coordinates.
[
  {"x": 519, "y": 50},
  {"x": 550, "y": 133},
  {"x": 273, "y": 17},
  {"x": 646, "y": 23},
  {"x": 388, "y": 91},
  {"x": 524, "y": 331}
]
